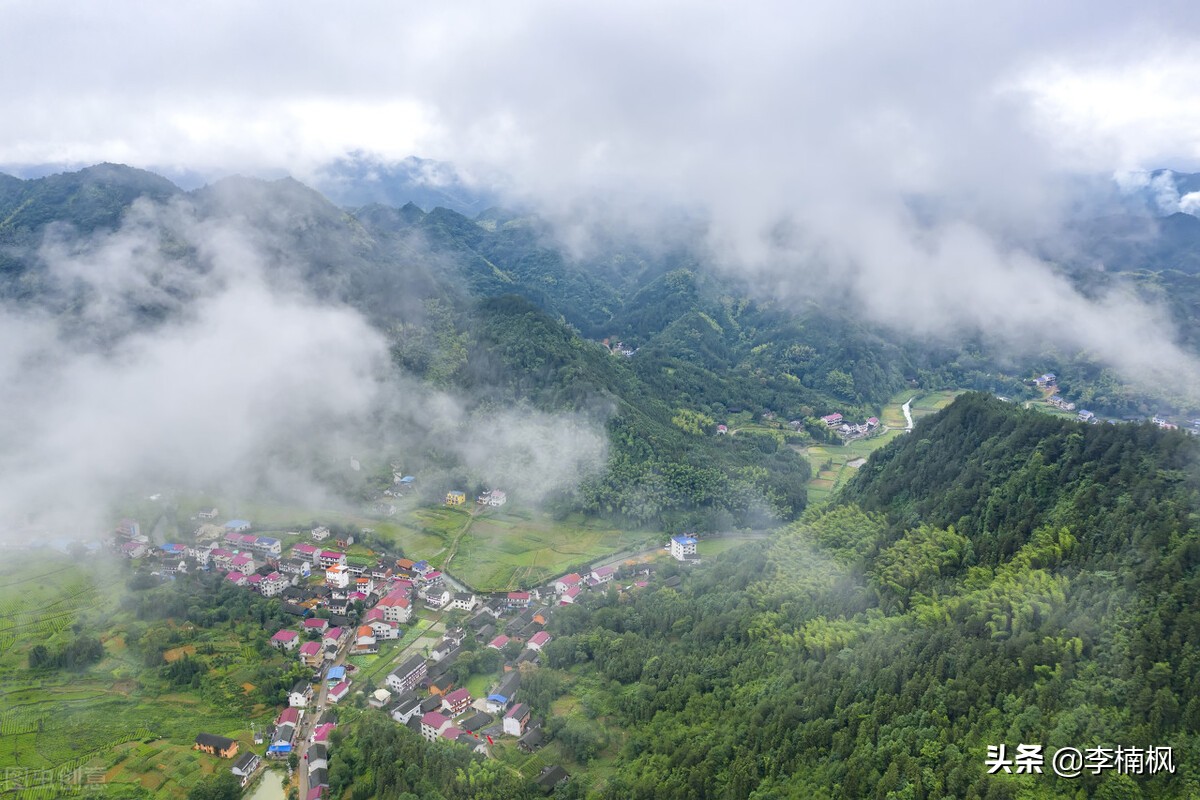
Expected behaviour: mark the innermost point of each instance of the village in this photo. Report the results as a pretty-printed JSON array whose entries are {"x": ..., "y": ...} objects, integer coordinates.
[
  {"x": 346, "y": 607},
  {"x": 1048, "y": 384}
]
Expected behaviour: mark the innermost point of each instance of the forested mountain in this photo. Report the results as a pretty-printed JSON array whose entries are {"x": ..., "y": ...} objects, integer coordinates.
[
  {"x": 997, "y": 577},
  {"x": 493, "y": 308}
]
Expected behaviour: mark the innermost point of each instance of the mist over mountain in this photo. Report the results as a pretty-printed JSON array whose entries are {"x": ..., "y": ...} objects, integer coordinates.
[
  {"x": 389, "y": 329},
  {"x": 359, "y": 180}
]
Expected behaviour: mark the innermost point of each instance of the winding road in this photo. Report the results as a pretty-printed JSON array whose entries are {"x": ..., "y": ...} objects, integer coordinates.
[{"x": 907, "y": 409}]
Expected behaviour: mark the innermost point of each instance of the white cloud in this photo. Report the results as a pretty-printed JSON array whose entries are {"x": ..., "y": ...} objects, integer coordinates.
[
  {"x": 252, "y": 387},
  {"x": 826, "y": 120}
]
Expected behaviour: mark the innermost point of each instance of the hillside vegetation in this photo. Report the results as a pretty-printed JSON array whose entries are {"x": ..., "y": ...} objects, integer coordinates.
[{"x": 996, "y": 577}]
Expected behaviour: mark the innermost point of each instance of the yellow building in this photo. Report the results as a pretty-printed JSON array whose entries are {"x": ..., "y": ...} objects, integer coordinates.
[{"x": 456, "y": 498}]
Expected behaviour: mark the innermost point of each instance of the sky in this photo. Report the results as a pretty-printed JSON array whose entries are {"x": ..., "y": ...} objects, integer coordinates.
[{"x": 802, "y": 133}]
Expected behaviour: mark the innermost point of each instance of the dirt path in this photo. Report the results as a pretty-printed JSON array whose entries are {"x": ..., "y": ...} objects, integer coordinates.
[
  {"x": 907, "y": 409},
  {"x": 457, "y": 538}
]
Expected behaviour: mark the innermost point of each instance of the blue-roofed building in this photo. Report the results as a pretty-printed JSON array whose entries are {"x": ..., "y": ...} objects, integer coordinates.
[
  {"x": 268, "y": 545},
  {"x": 336, "y": 674},
  {"x": 174, "y": 548},
  {"x": 237, "y": 525},
  {"x": 422, "y": 567},
  {"x": 407, "y": 479},
  {"x": 683, "y": 547}
]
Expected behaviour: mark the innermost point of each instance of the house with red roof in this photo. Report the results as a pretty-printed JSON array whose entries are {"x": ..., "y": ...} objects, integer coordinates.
[
  {"x": 538, "y": 641},
  {"x": 328, "y": 558},
  {"x": 566, "y": 582},
  {"x": 364, "y": 641},
  {"x": 499, "y": 642},
  {"x": 311, "y": 653},
  {"x": 338, "y": 692},
  {"x": 569, "y": 595},
  {"x": 832, "y": 419},
  {"x": 316, "y": 624},
  {"x": 396, "y": 606},
  {"x": 308, "y": 552},
  {"x": 236, "y": 578},
  {"x": 243, "y": 563},
  {"x": 321, "y": 733},
  {"x": 457, "y": 701},
  {"x": 332, "y": 637},
  {"x": 432, "y": 725},
  {"x": 286, "y": 640},
  {"x": 517, "y": 600},
  {"x": 273, "y": 584},
  {"x": 603, "y": 574},
  {"x": 289, "y": 716}
]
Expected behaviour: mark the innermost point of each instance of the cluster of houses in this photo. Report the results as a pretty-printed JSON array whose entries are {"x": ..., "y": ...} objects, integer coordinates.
[
  {"x": 493, "y": 498},
  {"x": 422, "y": 691},
  {"x": 1049, "y": 382},
  {"x": 619, "y": 348},
  {"x": 1060, "y": 402},
  {"x": 850, "y": 430}
]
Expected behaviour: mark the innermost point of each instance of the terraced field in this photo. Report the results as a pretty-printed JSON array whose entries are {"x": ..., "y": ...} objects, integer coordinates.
[{"x": 98, "y": 728}]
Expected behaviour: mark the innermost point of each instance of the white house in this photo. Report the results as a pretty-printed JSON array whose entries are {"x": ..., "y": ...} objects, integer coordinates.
[
  {"x": 337, "y": 577},
  {"x": 464, "y": 601},
  {"x": 298, "y": 697},
  {"x": 396, "y": 606},
  {"x": 516, "y": 719},
  {"x": 566, "y": 582},
  {"x": 683, "y": 547},
  {"x": 385, "y": 630},
  {"x": 495, "y": 498},
  {"x": 433, "y": 723},
  {"x": 286, "y": 640},
  {"x": 405, "y": 677},
  {"x": 603, "y": 574}
]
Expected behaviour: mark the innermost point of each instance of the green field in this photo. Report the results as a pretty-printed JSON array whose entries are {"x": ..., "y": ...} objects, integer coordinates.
[
  {"x": 715, "y": 547},
  {"x": 107, "y": 722},
  {"x": 930, "y": 402},
  {"x": 507, "y": 550}
]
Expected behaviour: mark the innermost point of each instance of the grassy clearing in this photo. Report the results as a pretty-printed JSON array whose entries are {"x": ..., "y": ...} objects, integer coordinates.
[
  {"x": 478, "y": 684},
  {"x": 715, "y": 547},
  {"x": 504, "y": 551}
]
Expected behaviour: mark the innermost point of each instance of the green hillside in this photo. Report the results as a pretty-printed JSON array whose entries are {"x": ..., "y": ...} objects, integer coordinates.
[{"x": 997, "y": 577}]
